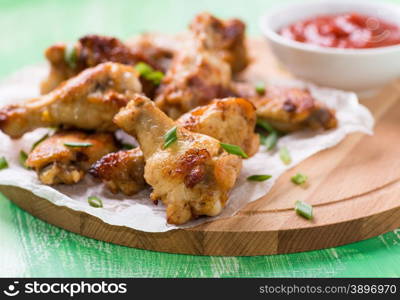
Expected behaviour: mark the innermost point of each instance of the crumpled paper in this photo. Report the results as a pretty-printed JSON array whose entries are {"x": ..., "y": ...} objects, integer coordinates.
[{"x": 138, "y": 212}]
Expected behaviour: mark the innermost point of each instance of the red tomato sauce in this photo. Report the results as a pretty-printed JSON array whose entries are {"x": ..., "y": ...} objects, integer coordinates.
[{"x": 350, "y": 30}]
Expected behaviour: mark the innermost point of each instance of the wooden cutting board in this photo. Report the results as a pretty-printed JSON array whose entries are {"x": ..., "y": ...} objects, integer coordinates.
[{"x": 354, "y": 188}]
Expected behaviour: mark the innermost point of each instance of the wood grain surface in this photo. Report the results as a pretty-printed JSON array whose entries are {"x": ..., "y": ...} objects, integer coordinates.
[{"x": 354, "y": 189}]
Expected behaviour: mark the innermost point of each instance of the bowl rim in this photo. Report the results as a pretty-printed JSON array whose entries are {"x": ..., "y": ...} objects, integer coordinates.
[{"x": 276, "y": 37}]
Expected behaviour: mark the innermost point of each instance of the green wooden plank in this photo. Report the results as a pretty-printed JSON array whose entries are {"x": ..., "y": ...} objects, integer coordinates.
[
  {"x": 30, "y": 247},
  {"x": 33, "y": 248}
]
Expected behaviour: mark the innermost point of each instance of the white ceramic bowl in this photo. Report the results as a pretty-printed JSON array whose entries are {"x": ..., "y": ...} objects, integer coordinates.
[{"x": 357, "y": 70}]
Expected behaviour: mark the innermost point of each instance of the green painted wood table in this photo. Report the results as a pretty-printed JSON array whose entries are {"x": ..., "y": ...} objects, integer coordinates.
[{"x": 30, "y": 247}]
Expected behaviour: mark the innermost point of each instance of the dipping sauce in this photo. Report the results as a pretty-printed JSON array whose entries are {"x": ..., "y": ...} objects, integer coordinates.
[{"x": 350, "y": 30}]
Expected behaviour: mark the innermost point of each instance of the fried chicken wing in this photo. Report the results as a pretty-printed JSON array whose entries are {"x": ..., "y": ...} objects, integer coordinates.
[
  {"x": 193, "y": 176},
  {"x": 230, "y": 120},
  {"x": 225, "y": 37},
  {"x": 92, "y": 50},
  {"x": 202, "y": 70},
  {"x": 60, "y": 70},
  {"x": 195, "y": 78},
  {"x": 121, "y": 171},
  {"x": 155, "y": 49},
  {"x": 88, "y": 101},
  {"x": 291, "y": 109},
  {"x": 55, "y": 162},
  {"x": 287, "y": 108}
]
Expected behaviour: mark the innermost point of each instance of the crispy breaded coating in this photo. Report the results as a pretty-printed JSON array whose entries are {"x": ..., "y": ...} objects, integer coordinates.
[{"x": 202, "y": 70}]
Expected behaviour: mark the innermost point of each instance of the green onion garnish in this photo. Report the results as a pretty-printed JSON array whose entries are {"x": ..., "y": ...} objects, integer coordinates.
[
  {"x": 3, "y": 163},
  {"x": 263, "y": 139},
  {"x": 271, "y": 140},
  {"x": 148, "y": 73},
  {"x": 299, "y": 179},
  {"x": 233, "y": 149},
  {"x": 143, "y": 68},
  {"x": 259, "y": 177},
  {"x": 95, "y": 202},
  {"x": 304, "y": 209},
  {"x": 77, "y": 144},
  {"x": 156, "y": 77},
  {"x": 22, "y": 158},
  {"x": 71, "y": 56},
  {"x": 260, "y": 88},
  {"x": 170, "y": 137},
  {"x": 285, "y": 155},
  {"x": 39, "y": 141},
  {"x": 126, "y": 146},
  {"x": 265, "y": 125}
]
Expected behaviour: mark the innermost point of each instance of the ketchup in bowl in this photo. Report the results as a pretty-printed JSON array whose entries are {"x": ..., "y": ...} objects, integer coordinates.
[{"x": 350, "y": 30}]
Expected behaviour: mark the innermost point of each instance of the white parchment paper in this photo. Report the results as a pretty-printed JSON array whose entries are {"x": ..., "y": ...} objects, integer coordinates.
[{"x": 139, "y": 212}]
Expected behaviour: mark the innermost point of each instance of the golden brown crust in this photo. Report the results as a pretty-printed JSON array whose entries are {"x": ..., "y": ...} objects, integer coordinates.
[
  {"x": 229, "y": 120},
  {"x": 157, "y": 50},
  {"x": 59, "y": 68},
  {"x": 288, "y": 108},
  {"x": 92, "y": 50},
  {"x": 55, "y": 162},
  {"x": 122, "y": 170},
  {"x": 88, "y": 101},
  {"x": 226, "y": 37},
  {"x": 183, "y": 176},
  {"x": 191, "y": 166},
  {"x": 195, "y": 78},
  {"x": 97, "y": 49}
]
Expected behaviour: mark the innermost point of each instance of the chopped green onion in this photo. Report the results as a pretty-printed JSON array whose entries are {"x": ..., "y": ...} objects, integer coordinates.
[
  {"x": 95, "y": 202},
  {"x": 233, "y": 149},
  {"x": 304, "y": 209},
  {"x": 259, "y": 177},
  {"x": 126, "y": 146},
  {"x": 263, "y": 139},
  {"x": 299, "y": 179},
  {"x": 271, "y": 140},
  {"x": 39, "y": 141},
  {"x": 148, "y": 73},
  {"x": 170, "y": 137},
  {"x": 3, "y": 163},
  {"x": 77, "y": 144},
  {"x": 143, "y": 68},
  {"x": 22, "y": 158},
  {"x": 156, "y": 77},
  {"x": 71, "y": 56},
  {"x": 285, "y": 155},
  {"x": 260, "y": 88},
  {"x": 265, "y": 125}
]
